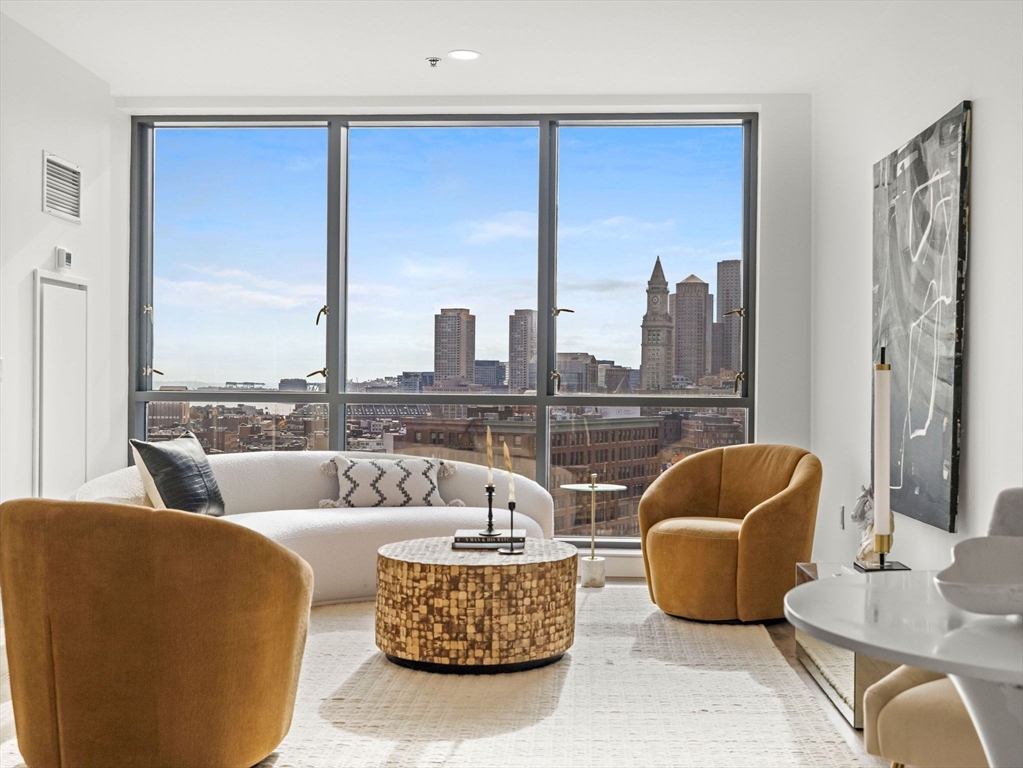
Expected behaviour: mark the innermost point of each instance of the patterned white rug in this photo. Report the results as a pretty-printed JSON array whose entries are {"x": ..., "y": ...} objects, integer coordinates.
[{"x": 639, "y": 688}]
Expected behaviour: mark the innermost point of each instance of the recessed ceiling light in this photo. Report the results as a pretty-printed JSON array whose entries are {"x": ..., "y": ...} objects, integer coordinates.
[{"x": 463, "y": 54}]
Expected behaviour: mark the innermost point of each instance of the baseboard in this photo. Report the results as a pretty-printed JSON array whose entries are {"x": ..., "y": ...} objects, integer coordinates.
[{"x": 620, "y": 563}]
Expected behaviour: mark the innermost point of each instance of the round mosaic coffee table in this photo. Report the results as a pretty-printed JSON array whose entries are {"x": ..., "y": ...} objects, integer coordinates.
[{"x": 475, "y": 611}]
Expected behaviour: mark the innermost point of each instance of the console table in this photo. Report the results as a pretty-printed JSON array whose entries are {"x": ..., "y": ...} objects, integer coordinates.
[
  {"x": 842, "y": 674},
  {"x": 901, "y": 617}
]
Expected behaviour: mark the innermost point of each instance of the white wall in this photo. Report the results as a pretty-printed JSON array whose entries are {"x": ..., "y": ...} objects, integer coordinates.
[
  {"x": 921, "y": 65},
  {"x": 783, "y": 273},
  {"x": 48, "y": 102}
]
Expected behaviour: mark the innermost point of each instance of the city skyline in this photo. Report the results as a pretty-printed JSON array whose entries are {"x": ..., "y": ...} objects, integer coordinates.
[{"x": 681, "y": 344}]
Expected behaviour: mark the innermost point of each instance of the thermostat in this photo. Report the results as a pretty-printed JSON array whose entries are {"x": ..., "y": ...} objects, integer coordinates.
[{"x": 62, "y": 259}]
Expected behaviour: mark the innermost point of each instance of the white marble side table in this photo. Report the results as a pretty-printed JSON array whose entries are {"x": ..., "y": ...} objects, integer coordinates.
[{"x": 592, "y": 567}]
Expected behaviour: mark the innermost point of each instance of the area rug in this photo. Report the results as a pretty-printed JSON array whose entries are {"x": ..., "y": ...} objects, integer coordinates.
[{"x": 638, "y": 688}]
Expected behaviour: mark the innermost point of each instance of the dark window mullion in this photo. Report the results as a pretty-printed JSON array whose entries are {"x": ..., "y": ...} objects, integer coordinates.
[
  {"x": 749, "y": 238},
  {"x": 547, "y": 281},
  {"x": 140, "y": 294},
  {"x": 337, "y": 277}
]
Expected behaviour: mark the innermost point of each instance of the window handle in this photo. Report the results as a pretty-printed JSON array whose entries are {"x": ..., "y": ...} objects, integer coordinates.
[
  {"x": 556, "y": 377},
  {"x": 324, "y": 310},
  {"x": 322, "y": 372},
  {"x": 150, "y": 370},
  {"x": 148, "y": 310},
  {"x": 740, "y": 376},
  {"x": 555, "y": 311},
  {"x": 741, "y": 312}
]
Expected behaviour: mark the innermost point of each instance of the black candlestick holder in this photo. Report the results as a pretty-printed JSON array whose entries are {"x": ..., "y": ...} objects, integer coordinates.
[
  {"x": 490, "y": 532},
  {"x": 510, "y": 549}
]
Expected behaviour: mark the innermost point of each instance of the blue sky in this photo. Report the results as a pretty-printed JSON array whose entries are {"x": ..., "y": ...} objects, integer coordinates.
[{"x": 437, "y": 218}]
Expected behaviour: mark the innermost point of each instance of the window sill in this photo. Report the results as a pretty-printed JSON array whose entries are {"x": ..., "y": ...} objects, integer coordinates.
[{"x": 620, "y": 563}]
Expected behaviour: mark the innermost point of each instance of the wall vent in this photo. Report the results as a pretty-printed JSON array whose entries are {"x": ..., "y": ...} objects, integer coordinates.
[{"x": 62, "y": 188}]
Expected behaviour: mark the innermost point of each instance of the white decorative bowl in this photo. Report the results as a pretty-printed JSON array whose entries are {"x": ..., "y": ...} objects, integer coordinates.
[{"x": 986, "y": 575}]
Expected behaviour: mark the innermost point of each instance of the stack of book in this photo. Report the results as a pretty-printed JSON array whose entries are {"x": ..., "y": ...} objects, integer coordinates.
[{"x": 471, "y": 539}]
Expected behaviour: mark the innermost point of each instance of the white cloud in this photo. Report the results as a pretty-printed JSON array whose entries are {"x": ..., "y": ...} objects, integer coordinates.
[
  {"x": 727, "y": 249},
  {"x": 616, "y": 227},
  {"x": 373, "y": 290},
  {"x": 198, "y": 293},
  {"x": 389, "y": 311},
  {"x": 517, "y": 225},
  {"x": 263, "y": 283},
  {"x": 237, "y": 289},
  {"x": 605, "y": 285},
  {"x": 302, "y": 163}
]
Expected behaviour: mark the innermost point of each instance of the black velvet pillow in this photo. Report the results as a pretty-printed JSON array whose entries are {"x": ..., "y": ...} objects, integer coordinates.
[{"x": 177, "y": 475}]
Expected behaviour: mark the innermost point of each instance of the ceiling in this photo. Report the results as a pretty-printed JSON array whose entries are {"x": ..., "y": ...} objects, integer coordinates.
[{"x": 301, "y": 48}]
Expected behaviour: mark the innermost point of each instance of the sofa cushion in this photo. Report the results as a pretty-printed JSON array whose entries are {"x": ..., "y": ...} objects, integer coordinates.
[
  {"x": 341, "y": 544},
  {"x": 378, "y": 482},
  {"x": 177, "y": 475}
]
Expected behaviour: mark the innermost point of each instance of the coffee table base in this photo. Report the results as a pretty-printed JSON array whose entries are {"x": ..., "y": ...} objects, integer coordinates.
[{"x": 472, "y": 669}]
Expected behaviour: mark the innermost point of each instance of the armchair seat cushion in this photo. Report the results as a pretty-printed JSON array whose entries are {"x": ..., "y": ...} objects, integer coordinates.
[
  {"x": 698, "y": 527},
  {"x": 929, "y": 726},
  {"x": 702, "y": 553},
  {"x": 916, "y": 717}
]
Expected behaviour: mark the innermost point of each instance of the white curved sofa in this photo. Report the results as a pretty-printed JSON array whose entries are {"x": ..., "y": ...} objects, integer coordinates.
[{"x": 277, "y": 494}]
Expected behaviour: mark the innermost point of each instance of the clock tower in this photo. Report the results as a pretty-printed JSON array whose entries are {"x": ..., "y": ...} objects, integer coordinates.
[{"x": 656, "y": 364}]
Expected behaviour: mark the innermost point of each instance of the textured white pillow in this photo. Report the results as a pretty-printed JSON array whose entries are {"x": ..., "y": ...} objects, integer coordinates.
[{"x": 407, "y": 482}]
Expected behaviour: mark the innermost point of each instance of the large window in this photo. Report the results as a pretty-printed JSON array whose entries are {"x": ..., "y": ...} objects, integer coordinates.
[{"x": 582, "y": 285}]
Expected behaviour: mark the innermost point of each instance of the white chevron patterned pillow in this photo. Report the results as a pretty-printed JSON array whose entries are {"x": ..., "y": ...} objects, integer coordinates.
[{"x": 407, "y": 482}]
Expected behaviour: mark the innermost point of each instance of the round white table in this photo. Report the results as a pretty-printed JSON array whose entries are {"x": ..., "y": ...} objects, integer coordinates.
[{"x": 901, "y": 617}]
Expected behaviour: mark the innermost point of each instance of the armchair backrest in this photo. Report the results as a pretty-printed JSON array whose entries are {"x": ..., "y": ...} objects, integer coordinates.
[
  {"x": 726, "y": 482},
  {"x": 1007, "y": 518},
  {"x": 137, "y": 634},
  {"x": 751, "y": 474}
]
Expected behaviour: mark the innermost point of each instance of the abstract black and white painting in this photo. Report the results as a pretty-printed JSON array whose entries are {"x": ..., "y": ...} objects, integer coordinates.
[{"x": 921, "y": 217}]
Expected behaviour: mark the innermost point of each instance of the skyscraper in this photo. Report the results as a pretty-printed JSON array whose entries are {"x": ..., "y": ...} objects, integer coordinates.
[
  {"x": 730, "y": 298},
  {"x": 490, "y": 373},
  {"x": 656, "y": 359},
  {"x": 454, "y": 345},
  {"x": 521, "y": 350},
  {"x": 708, "y": 335},
  {"x": 578, "y": 371},
  {"x": 717, "y": 346},
  {"x": 691, "y": 328}
]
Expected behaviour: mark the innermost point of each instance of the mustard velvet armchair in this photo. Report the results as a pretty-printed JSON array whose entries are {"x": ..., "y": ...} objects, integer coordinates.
[
  {"x": 722, "y": 531},
  {"x": 144, "y": 638}
]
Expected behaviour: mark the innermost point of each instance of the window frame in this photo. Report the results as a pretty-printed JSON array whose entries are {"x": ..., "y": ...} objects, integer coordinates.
[{"x": 143, "y": 129}]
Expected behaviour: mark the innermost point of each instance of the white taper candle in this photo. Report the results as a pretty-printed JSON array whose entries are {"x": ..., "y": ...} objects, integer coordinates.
[
  {"x": 511, "y": 476},
  {"x": 882, "y": 449},
  {"x": 490, "y": 458}
]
